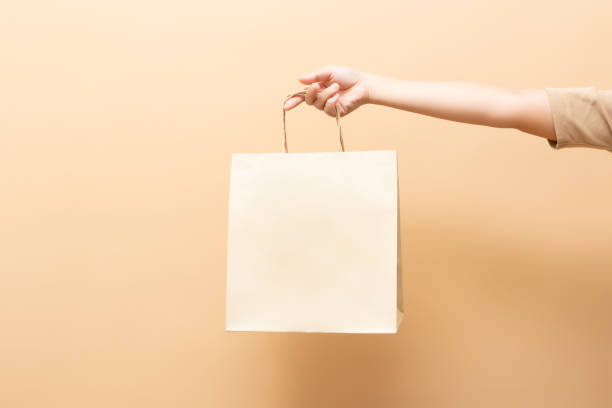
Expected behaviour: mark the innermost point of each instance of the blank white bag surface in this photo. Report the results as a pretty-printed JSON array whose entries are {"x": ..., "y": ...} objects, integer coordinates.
[{"x": 312, "y": 242}]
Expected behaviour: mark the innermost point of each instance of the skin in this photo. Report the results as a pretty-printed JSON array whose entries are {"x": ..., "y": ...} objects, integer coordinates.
[{"x": 346, "y": 89}]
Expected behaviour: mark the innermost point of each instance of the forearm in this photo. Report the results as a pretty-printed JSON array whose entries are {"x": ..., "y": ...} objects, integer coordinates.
[{"x": 526, "y": 110}]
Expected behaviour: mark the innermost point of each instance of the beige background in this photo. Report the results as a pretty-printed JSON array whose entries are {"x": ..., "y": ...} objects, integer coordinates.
[{"x": 117, "y": 124}]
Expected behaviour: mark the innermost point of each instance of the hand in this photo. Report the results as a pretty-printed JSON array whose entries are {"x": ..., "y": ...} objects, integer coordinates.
[{"x": 332, "y": 88}]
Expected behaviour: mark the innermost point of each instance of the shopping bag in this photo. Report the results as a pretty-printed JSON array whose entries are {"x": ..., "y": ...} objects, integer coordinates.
[{"x": 314, "y": 241}]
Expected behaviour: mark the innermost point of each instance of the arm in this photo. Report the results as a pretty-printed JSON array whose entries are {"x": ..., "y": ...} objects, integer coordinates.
[
  {"x": 346, "y": 89},
  {"x": 525, "y": 110}
]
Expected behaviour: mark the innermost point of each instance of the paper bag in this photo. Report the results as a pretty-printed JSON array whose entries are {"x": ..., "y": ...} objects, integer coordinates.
[{"x": 313, "y": 242}]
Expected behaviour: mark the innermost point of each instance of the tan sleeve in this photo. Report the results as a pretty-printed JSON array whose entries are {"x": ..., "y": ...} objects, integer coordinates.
[{"x": 582, "y": 117}]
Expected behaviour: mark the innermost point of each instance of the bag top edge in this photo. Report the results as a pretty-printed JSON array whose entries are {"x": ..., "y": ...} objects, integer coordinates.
[{"x": 311, "y": 153}]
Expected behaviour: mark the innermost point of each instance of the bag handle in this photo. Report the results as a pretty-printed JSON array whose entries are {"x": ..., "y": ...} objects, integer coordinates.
[{"x": 284, "y": 139}]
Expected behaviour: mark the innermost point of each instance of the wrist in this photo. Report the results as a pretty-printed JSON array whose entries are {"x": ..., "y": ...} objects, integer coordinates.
[{"x": 371, "y": 83}]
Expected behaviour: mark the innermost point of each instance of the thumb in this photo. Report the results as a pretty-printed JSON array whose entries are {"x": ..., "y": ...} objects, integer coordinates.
[{"x": 322, "y": 75}]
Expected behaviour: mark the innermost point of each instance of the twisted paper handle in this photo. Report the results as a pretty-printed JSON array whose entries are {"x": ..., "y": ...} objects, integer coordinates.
[{"x": 284, "y": 139}]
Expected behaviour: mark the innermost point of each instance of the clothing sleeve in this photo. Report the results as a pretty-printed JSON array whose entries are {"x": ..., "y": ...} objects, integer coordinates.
[{"x": 581, "y": 117}]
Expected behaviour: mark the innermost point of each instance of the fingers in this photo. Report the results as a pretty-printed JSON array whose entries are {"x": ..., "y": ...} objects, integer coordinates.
[
  {"x": 318, "y": 96},
  {"x": 324, "y": 95},
  {"x": 315, "y": 95},
  {"x": 322, "y": 75},
  {"x": 311, "y": 93},
  {"x": 293, "y": 102},
  {"x": 330, "y": 105}
]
